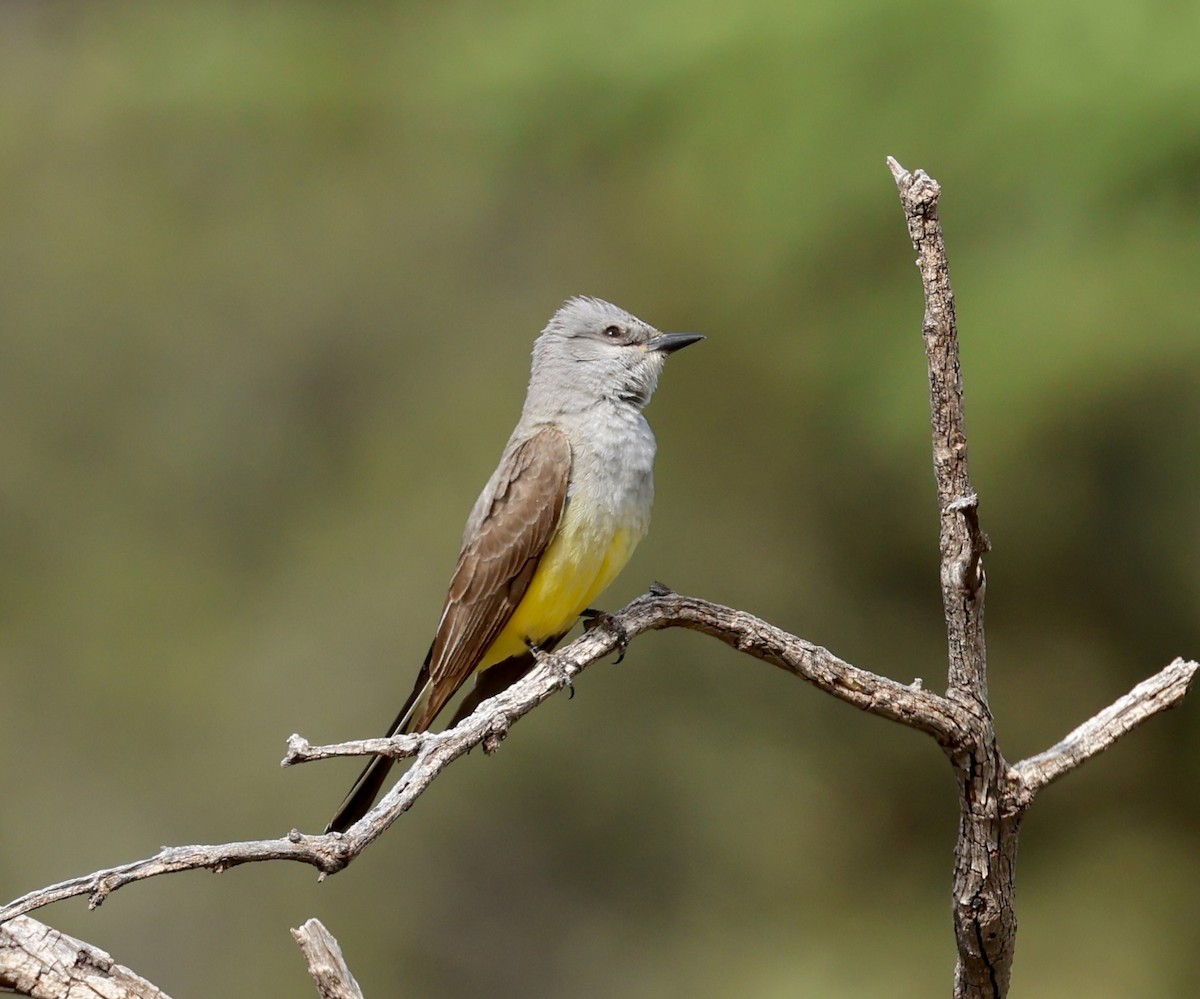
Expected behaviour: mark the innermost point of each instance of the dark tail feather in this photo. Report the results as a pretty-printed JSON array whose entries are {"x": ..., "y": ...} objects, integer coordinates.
[
  {"x": 487, "y": 684},
  {"x": 366, "y": 788},
  {"x": 362, "y": 796}
]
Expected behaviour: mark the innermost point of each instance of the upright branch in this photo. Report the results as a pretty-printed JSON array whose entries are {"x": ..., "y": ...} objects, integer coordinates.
[
  {"x": 963, "y": 544},
  {"x": 993, "y": 796},
  {"x": 985, "y": 921}
]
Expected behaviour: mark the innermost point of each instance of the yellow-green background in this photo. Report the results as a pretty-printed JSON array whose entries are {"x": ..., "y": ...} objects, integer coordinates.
[{"x": 269, "y": 275}]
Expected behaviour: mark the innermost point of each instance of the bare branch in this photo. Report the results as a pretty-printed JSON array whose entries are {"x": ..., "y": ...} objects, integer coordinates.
[
  {"x": 399, "y": 747},
  {"x": 489, "y": 724},
  {"x": 963, "y": 544},
  {"x": 953, "y": 727},
  {"x": 878, "y": 695},
  {"x": 909, "y": 705},
  {"x": 1161, "y": 692},
  {"x": 37, "y": 960},
  {"x": 985, "y": 922},
  {"x": 322, "y": 852},
  {"x": 325, "y": 962},
  {"x": 992, "y": 796}
]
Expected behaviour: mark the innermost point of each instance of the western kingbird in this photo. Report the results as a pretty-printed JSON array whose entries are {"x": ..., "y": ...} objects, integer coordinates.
[{"x": 556, "y": 522}]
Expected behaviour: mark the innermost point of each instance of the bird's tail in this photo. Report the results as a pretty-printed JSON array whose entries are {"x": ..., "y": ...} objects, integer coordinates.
[
  {"x": 416, "y": 711},
  {"x": 366, "y": 789}
]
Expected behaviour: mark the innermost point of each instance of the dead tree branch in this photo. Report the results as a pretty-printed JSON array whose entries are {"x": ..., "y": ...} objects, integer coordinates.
[
  {"x": 985, "y": 922},
  {"x": 36, "y": 960},
  {"x": 325, "y": 962},
  {"x": 993, "y": 795},
  {"x": 1158, "y": 693},
  {"x": 318, "y": 851},
  {"x": 490, "y": 723},
  {"x": 950, "y": 724}
]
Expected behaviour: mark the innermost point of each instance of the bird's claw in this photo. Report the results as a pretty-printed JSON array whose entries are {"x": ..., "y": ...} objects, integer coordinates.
[{"x": 546, "y": 658}]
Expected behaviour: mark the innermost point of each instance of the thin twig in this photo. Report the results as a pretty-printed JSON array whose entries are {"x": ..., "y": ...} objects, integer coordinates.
[
  {"x": 1150, "y": 697},
  {"x": 322, "y": 852}
]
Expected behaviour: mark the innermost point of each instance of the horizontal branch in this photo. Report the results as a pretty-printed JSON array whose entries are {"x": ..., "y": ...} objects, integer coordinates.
[
  {"x": 907, "y": 704},
  {"x": 398, "y": 747},
  {"x": 1159, "y": 693},
  {"x": 661, "y": 608},
  {"x": 319, "y": 851}
]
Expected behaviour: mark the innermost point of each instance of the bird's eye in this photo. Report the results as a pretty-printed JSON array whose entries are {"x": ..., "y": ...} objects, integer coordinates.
[{"x": 613, "y": 332}]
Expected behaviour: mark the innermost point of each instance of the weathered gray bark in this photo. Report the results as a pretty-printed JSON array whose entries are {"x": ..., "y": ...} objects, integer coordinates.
[
  {"x": 985, "y": 921},
  {"x": 993, "y": 796},
  {"x": 325, "y": 962},
  {"x": 36, "y": 960}
]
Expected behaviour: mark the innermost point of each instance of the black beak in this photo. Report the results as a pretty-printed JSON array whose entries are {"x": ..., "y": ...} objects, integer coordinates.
[{"x": 670, "y": 342}]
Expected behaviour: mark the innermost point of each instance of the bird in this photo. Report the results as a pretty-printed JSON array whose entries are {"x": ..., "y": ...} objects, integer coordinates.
[{"x": 557, "y": 521}]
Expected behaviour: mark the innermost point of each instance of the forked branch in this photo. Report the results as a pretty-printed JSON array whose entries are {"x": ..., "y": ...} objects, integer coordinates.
[{"x": 992, "y": 796}]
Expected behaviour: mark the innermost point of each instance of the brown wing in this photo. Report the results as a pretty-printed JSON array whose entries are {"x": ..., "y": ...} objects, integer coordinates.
[
  {"x": 494, "y": 569},
  {"x": 497, "y": 563}
]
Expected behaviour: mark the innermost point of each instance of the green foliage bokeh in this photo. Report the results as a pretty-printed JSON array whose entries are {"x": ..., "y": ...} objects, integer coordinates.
[{"x": 268, "y": 282}]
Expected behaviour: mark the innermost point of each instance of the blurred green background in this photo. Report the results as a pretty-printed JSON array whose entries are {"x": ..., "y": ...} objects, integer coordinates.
[{"x": 269, "y": 277}]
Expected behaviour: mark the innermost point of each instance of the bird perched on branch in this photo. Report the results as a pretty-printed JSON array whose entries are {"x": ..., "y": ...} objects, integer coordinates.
[{"x": 556, "y": 522}]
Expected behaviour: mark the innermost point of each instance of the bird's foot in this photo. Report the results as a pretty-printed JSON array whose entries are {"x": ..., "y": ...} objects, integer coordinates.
[
  {"x": 543, "y": 657},
  {"x": 593, "y": 618}
]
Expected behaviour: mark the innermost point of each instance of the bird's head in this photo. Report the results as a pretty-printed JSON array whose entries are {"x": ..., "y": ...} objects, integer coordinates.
[{"x": 594, "y": 350}]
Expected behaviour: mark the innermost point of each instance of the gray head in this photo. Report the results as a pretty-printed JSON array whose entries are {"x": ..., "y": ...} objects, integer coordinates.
[{"x": 592, "y": 350}]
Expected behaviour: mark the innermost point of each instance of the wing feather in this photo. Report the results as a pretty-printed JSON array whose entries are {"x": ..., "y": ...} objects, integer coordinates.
[
  {"x": 498, "y": 560},
  {"x": 500, "y": 553}
]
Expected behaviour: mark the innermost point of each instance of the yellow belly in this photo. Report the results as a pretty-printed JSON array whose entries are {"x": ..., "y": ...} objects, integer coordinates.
[{"x": 576, "y": 568}]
